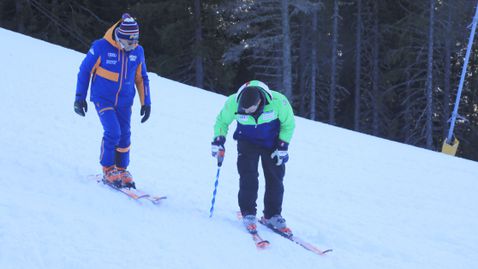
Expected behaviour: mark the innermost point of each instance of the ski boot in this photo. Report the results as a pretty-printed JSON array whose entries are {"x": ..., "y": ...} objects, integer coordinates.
[
  {"x": 126, "y": 178},
  {"x": 250, "y": 223},
  {"x": 277, "y": 222},
  {"x": 111, "y": 176}
]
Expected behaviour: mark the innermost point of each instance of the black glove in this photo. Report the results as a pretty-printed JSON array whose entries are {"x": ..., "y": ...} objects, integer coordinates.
[
  {"x": 146, "y": 111},
  {"x": 81, "y": 107},
  {"x": 217, "y": 149}
]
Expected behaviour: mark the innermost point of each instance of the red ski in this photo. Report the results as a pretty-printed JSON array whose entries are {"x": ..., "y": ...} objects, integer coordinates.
[{"x": 297, "y": 240}]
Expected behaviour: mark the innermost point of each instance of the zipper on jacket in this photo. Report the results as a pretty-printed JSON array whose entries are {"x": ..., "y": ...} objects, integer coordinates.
[
  {"x": 125, "y": 66},
  {"x": 255, "y": 120},
  {"x": 120, "y": 77}
]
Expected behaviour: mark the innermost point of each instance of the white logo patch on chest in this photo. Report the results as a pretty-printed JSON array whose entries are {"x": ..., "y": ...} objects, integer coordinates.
[
  {"x": 132, "y": 58},
  {"x": 242, "y": 118},
  {"x": 269, "y": 115}
]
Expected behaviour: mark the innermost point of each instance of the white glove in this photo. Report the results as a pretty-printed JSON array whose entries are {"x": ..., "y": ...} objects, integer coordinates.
[
  {"x": 215, "y": 149},
  {"x": 281, "y": 155}
]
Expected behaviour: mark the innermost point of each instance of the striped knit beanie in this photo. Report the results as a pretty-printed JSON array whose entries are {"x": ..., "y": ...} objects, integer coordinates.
[{"x": 128, "y": 28}]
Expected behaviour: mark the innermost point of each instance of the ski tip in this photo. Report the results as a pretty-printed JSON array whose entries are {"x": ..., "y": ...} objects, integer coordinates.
[
  {"x": 263, "y": 244},
  {"x": 239, "y": 215},
  {"x": 157, "y": 199}
]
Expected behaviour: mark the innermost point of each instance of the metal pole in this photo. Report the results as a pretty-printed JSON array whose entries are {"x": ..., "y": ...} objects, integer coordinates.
[
  {"x": 220, "y": 159},
  {"x": 213, "y": 201},
  {"x": 462, "y": 78}
]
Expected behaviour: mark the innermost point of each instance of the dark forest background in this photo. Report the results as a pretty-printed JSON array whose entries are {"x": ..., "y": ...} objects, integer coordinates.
[{"x": 388, "y": 68}]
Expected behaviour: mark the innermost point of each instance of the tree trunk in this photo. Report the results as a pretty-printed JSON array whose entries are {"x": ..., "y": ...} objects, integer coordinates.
[
  {"x": 358, "y": 64},
  {"x": 333, "y": 66},
  {"x": 429, "y": 83},
  {"x": 304, "y": 49},
  {"x": 408, "y": 117},
  {"x": 19, "y": 11},
  {"x": 286, "y": 51},
  {"x": 314, "y": 65},
  {"x": 447, "y": 76},
  {"x": 198, "y": 37},
  {"x": 376, "y": 94}
]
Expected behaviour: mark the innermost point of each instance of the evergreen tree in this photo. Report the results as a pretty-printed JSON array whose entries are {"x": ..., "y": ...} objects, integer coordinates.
[{"x": 263, "y": 29}]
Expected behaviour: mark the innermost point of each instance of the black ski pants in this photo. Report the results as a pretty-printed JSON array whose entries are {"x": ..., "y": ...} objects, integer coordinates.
[{"x": 247, "y": 165}]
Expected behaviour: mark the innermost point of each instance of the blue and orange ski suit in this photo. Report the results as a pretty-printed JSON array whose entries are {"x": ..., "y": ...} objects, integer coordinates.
[{"x": 114, "y": 73}]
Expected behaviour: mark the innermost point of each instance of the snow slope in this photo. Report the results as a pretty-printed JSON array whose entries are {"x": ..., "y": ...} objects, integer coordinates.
[{"x": 377, "y": 203}]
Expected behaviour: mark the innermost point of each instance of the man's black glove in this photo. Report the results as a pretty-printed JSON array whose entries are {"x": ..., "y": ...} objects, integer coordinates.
[
  {"x": 81, "y": 107},
  {"x": 146, "y": 111}
]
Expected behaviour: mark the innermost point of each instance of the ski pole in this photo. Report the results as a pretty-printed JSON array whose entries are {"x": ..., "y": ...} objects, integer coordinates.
[{"x": 220, "y": 158}]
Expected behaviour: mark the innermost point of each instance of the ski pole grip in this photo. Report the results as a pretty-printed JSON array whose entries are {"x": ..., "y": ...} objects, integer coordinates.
[{"x": 220, "y": 157}]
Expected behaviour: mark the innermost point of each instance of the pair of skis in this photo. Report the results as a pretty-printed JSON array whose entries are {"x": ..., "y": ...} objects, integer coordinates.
[
  {"x": 262, "y": 244},
  {"x": 134, "y": 194}
]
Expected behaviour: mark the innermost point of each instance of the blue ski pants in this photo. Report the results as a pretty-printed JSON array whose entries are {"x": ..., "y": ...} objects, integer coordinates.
[{"x": 116, "y": 141}]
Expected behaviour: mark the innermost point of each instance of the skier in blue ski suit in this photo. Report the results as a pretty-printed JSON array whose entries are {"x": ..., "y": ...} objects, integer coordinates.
[{"x": 115, "y": 64}]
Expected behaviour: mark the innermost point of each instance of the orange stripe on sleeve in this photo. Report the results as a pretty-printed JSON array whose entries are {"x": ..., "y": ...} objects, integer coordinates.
[
  {"x": 93, "y": 70},
  {"x": 139, "y": 83}
]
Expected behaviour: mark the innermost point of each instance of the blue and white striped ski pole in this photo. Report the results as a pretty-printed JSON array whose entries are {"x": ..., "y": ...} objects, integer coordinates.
[{"x": 220, "y": 158}]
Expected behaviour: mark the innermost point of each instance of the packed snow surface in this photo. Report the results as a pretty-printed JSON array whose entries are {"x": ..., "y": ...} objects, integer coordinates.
[{"x": 378, "y": 204}]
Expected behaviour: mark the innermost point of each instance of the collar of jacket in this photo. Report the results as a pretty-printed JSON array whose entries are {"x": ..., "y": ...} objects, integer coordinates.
[{"x": 110, "y": 33}]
